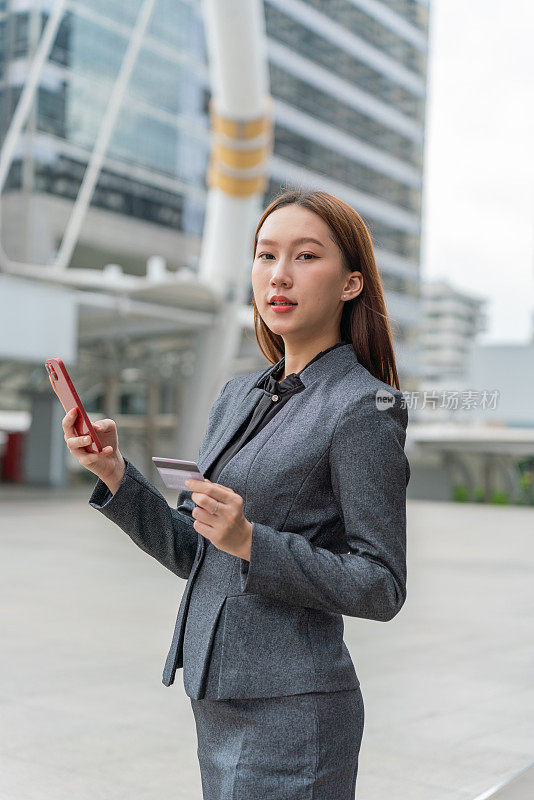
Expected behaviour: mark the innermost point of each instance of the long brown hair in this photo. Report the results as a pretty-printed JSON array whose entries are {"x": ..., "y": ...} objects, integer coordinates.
[{"x": 364, "y": 321}]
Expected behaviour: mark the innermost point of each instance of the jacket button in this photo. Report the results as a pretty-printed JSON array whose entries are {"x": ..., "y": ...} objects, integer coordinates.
[{"x": 274, "y": 397}]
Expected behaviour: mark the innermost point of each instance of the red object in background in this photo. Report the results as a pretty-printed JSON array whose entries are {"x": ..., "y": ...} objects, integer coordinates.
[{"x": 12, "y": 460}]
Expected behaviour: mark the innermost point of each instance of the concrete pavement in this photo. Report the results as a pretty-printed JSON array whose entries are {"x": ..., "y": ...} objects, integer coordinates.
[{"x": 86, "y": 619}]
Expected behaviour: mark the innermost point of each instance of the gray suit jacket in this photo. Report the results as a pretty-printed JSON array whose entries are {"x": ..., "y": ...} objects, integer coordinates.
[{"x": 324, "y": 485}]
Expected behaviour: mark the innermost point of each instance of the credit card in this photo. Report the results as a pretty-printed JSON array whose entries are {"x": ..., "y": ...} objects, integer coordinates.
[{"x": 174, "y": 472}]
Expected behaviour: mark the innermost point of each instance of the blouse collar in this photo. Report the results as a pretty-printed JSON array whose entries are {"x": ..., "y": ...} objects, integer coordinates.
[{"x": 291, "y": 382}]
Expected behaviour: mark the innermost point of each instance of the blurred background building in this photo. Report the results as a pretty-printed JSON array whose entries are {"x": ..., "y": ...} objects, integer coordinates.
[
  {"x": 150, "y": 194},
  {"x": 474, "y": 437},
  {"x": 451, "y": 322},
  {"x": 510, "y": 368},
  {"x": 348, "y": 80}
]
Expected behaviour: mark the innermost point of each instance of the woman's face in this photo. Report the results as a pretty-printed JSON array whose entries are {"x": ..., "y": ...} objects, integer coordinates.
[{"x": 309, "y": 273}]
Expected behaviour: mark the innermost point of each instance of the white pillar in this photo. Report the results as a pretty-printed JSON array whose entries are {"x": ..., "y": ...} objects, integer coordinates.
[
  {"x": 241, "y": 143},
  {"x": 45, "y": 452}
]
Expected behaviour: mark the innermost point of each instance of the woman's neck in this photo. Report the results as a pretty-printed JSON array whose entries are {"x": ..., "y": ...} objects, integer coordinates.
[{"x": 296, "y": 361}]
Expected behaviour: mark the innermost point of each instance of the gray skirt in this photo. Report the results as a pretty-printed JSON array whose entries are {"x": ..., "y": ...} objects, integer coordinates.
[{"x": 295, "y": 747}]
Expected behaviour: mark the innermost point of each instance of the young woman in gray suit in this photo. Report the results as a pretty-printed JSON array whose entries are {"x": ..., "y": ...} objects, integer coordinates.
[{"x": 302, "y": 519}]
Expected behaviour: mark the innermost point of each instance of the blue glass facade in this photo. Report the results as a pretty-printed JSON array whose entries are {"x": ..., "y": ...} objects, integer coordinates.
[{"x": 162, "y": 126}]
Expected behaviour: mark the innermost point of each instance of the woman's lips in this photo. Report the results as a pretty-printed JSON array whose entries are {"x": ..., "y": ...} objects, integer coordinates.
[{"x": 281, "y": 309}]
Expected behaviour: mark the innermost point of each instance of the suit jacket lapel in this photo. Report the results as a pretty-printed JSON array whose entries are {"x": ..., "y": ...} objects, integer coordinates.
[
  {"x": 241, "y": 412},
  {"x": 339, "y": 358}
]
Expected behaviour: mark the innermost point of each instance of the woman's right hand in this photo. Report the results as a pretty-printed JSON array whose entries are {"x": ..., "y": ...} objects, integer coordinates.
[{"x": 108, "y": 465}]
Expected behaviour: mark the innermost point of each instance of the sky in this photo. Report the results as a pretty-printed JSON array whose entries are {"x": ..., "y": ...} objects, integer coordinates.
[{"x": 478, "y": 192}]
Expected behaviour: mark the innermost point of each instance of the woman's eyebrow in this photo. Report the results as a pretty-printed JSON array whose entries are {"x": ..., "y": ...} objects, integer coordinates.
[{"x": 295, "y": 241}]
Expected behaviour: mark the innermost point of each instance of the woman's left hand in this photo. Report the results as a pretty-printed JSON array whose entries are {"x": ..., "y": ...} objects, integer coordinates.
[{"x": 227, "y": 528}]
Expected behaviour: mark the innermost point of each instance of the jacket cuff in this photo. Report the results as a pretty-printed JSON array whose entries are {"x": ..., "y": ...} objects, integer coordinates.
[
  {"x": 257, "y": 575},
  {"x": 101, "y": 496}
]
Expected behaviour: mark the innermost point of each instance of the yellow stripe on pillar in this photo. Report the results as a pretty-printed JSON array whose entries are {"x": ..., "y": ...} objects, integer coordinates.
[
  {"x": 240, "y": 159},
  {"x": 236, "y": 160},
  {"x": 236, "y": 185}
]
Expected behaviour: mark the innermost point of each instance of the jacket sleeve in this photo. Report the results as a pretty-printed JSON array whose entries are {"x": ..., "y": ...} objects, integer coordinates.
[
  {"x": 165, "y": 533},
  {"x": 369, "y": 473}
]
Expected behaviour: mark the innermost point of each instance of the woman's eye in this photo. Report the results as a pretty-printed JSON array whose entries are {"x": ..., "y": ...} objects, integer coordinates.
[{"x": 311, "y": 255}]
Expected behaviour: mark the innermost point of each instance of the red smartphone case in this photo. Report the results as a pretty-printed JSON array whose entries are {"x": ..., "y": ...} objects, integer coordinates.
[{"x": 68, "y": 397}]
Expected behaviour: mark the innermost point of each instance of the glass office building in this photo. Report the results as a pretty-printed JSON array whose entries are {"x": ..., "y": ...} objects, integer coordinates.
[
  {"x": 152, "y": 181},
  {"x": 349, "y": 82},
  {"x": 348, "y": 78}
]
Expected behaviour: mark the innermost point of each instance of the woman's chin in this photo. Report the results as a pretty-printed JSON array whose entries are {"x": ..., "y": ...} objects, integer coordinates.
[{"x": 281, "y": 329}]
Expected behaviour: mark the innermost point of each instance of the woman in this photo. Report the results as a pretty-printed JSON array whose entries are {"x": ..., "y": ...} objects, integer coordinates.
[{"x": 308, "y": 521}]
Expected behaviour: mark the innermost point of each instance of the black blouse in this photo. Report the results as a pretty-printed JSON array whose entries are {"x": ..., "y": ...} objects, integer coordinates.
[{"x": 277, "y": 393}]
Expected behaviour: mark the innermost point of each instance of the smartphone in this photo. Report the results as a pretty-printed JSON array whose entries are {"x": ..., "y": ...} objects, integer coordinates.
[
  {"x": 68, "y": 397},
  {"x": 174, "y": 472}
]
